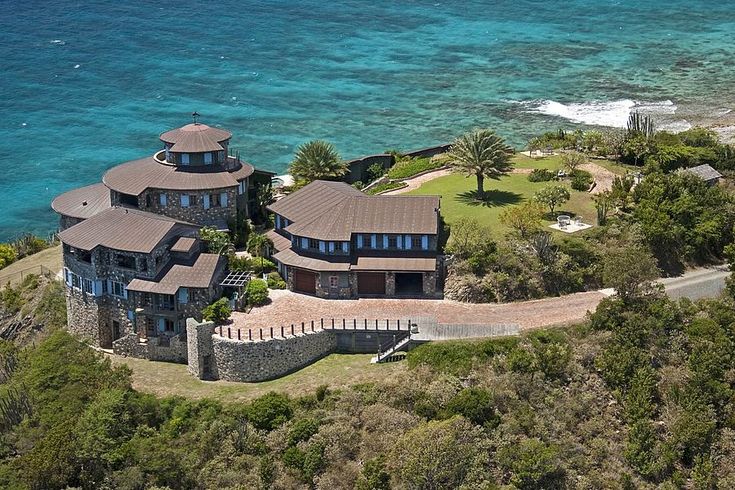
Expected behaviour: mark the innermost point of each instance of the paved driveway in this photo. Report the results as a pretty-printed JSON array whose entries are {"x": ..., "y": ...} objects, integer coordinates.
[{"x": 287, "y": 307}]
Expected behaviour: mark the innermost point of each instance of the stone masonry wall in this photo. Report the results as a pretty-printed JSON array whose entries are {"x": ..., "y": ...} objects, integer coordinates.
[
  {"x": 82, "y": 311},
  {"x": 150, "y": 201},
  {"x": 234, "y": 360},
  {"x": 130, "y": 346}
]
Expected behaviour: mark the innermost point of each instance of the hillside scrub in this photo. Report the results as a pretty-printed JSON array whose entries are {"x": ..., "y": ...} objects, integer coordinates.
[{"x": 640, "y": 396}]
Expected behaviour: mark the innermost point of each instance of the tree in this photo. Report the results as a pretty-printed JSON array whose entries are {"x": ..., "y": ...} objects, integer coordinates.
[
  {"x": 524, "y": 219},
  {"x": 603, "y": 202},
  {"x": 552, "y": 196},
  {"x": 533, "y": 464},
  {"x": 8, "y": 254},
  {"x": 317, "y": 160},
  {"x": 476, "y": 405},
  {"x": 573, "y": 160},
  {"x": 269, "y": 411},
  {"x": 629, "y": 271},
  {"x": 257, "y": 292},
  {"x": 466, "y": 237},
  {"x": 620, "y": 191},
  {"x": 258, "y": 245},
  {"x": 218, "y": 242},
  {"x": 481, "y": 153}
]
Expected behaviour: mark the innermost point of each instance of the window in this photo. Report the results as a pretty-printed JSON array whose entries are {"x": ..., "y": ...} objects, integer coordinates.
[
  {"x": 185, "y": 201},
  {"x": 208, "y": 158},
  {"x": 215, "y": 201},
  {"x": 76, "y": 281},
  {"x": 183, "y": 295},
  {"x": 162, "y": 199},
  {"x": 192, "y": 200},
  {"x": 333, "y": 282},
  {"x": 87, "y": 286},
  {"x": 415, "y": 241},
  {"x": 185, "y": 159},
  {"x": 148, "y": 200},
  {"x": 84, "y": 256},
  {"x": 392, "y": 242},
  {"x": 367, "y": 241},
  {"x": 118, "y": 289},
  {"x": 168, "y": 325},
  {"x": 143, "y": 264},
  {"x": 313, "y": 243},
  {"x": 125, "y": 261},
  {"x": 104, "y": 287}
]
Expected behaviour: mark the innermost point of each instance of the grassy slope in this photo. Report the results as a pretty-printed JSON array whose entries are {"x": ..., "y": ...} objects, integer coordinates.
[
  {"x": 336, "y": 371},
  {"x": 49, "y": 258}
]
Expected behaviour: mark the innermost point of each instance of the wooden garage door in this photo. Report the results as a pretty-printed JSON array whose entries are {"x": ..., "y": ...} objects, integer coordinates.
[
  {"x": 304, "y": 282},
  {"x": 371, "y": 283}
]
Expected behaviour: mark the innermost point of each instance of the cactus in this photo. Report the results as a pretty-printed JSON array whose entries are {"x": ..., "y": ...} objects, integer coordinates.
[{"x": 638, "y": 123}]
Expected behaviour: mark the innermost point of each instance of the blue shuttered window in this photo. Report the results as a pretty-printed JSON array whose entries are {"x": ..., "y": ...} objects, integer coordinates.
[
  {"x": 208, "y": 158},
  {"x": 425, "y": 242},
  {"x": 185, "y": 201},
  {"x": 373, "y": 241},
  {"x": 206, "y": 201},
  {"x": 278, "y": 222},
  {"x": 399, "y": 241},
  {"x": 162, "y": 199},
  {"x": 322, "y": 246},
  {"x": 385, "y": 241},
  {"x": 331, "y": 247},
  {"x": 346, "y": 247},
  {"x": 223, "y": 199},
  {"x": 183, "y": 295},
  {"x": 407, "y": 241},
  {"x": 185, "y": 159},
  {"x": 304, "y": 243},
  {"x": 359, "y": 241}
]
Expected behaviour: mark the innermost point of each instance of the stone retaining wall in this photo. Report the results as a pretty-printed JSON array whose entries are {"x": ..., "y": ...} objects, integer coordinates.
[{"x": 130, "y": 346}]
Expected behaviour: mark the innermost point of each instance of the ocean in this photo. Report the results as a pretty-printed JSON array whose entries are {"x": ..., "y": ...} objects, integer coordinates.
[{"x": 87, "y": 85}]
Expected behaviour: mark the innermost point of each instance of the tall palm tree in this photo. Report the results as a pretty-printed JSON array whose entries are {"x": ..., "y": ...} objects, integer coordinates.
[
  {"x": 258, "y": 245},
  {"x": 481, "y": 153},
  {"x": 316, "y": 160}
]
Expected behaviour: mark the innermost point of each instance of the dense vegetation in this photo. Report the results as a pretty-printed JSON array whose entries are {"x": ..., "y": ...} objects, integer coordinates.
[
  {"x": 640, "y": 396},
  {"x": 408, "y": 167},
  {"x": 24, "y": 246}
]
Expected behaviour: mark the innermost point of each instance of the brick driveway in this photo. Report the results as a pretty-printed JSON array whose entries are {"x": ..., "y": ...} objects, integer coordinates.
[{"x": 287, "y": 308}]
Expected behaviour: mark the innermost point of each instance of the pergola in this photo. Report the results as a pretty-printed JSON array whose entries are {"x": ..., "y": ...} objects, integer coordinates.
[{"x": 237, "y": 280}]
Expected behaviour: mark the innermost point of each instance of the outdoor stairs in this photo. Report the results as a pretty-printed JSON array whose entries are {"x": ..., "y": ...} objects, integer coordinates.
[{"x": 388, "y": 354}]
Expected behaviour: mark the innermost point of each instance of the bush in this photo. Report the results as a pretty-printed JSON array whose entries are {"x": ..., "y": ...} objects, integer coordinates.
[
  {"x": 408, "y": 168},
  {"x": 302, "y": 431},
  {"x": 255, "y": 265},
  {"x": 476, "y": 405},
  {"x": 581, "y": 180},
  {"x": 269, "y": 411},
  {"x": 375, "y": 171},
  {"x": 8, "y": 254},
  {"x": 541, "y": 175},
  {"x": 29, "y": 244},
  {"x": 385, "y": 186},
  {"x": 218, "y": 312},
  {"x": 275, "y": 281},
  {"x": 257, "y": 292}
]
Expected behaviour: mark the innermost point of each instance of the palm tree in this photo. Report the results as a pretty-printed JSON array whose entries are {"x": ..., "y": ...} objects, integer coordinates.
[
  {"x": 317, "y": 160},
  {"x": 481, "y": 153},
  {"x": 258, "y": 245}
]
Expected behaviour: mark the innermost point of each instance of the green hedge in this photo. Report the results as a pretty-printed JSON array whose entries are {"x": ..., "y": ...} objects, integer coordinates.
[
  {"x": 387, "y": 186},
  {"x": 541, "y": 175},
  {"x": 409, "y": 168}
]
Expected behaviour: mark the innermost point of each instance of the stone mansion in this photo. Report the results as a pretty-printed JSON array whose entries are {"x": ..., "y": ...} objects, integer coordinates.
[{"x": 133, "y": 264}]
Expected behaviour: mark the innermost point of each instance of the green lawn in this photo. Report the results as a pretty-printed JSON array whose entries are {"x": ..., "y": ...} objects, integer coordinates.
[
  {"x": 552, "y": 162},
  {"x": 457, "y": 192}
]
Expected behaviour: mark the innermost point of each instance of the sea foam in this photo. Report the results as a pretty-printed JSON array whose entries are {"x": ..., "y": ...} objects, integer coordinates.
[{"x": 600, "y": 113}]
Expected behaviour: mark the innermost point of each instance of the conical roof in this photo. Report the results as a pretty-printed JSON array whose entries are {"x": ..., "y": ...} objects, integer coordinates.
[{"x": 196, "y": 138}]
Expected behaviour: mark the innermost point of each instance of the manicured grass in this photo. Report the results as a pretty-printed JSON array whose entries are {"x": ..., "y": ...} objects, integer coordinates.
[
  {"x": 409, "y": 168},
  {"x": 335, "y": 371},
  {"x": 457, "y": 192},
  {"x": 49, "y": 258},
  {"x": 552, "y": 162}
]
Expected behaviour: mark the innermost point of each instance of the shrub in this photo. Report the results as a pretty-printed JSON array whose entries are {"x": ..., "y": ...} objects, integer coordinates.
[
  {"x": 541, "y": 175},
  {"x": 467, "y": 288},
  {"x": 218, "y": 312},
  {"x": 409, "y": 168},
  {"x": 375, "y": 171},
  {"x": 275, "y": 281},
  {"x": 217, "y": 241},
  {"x": 29, "y": 244},
  {"x": 8, "y": 254},
  {"x": 302, "y": 431},
  {"x": 269, "y": 411},
  {"x": 385, "y": 186},
  {"x": 257, "y": 292},
  {"x": 256, "y": 265},
  {"x": 581, "y": 180},
  {"x": 476, "y": 405}
]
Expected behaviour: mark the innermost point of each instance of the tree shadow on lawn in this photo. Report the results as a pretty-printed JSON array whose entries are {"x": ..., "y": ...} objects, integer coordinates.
[{"x": 491, "y": 199}]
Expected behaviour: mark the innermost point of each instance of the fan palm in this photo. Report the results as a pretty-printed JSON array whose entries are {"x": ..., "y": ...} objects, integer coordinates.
[
  {"x": 481, "y": 153},
  {"x": 317, "y": 160}
]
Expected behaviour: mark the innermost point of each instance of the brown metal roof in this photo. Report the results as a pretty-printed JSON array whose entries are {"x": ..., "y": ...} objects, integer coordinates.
[
  {"x": 335, "y": 210},
  {"x": 280, "y": 242},
  {"x": 410, "y": 264},
  {"x": 704, "y": 172},
  {"x": 184, "y": 244},
  {"x": 291, "y": 258},
  {"x": 200, "y": 275},
  {"x": 136, "y": 176},
  {"x": 83, "y": 202},
  {"x": 196, "y": 138},
  {"x": 129, "y": 230}
]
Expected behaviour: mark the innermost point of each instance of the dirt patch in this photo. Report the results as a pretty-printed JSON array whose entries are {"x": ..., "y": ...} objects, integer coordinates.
[{"x": 602, "y": 176}]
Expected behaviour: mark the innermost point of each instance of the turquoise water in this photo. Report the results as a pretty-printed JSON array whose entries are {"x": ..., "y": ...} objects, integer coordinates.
[{"x": 87, "y": 85}]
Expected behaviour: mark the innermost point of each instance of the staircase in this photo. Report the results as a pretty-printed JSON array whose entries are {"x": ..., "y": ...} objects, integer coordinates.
[{"x": 384, "y": 356}]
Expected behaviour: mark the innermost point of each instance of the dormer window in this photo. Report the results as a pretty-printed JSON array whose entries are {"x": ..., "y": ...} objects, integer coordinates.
[
  {"x": 184, "y": 159},
  {"x": 208, "y": 158}
]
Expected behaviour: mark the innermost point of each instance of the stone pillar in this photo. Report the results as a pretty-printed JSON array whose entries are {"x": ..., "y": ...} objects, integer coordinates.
[
  {"x": 201, "y": 362},
  {"x": 390, "y": 284},
  {"x": 429, "y": 283}
]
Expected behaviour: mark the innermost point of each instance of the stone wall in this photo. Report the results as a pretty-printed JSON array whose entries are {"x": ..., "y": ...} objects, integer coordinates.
[
  {"x": 130, "y": 346},
  {"x": 67, "y": 222},
  {"x": 235, "y": 360},
  {"x": 82, "y": 312},
  {"x": 150, "y": 201}
]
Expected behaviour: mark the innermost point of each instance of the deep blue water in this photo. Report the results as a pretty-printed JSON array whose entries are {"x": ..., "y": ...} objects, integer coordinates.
[{"x": 87, "y": 85}]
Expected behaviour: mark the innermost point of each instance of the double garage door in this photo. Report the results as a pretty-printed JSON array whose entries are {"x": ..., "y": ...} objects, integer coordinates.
[
  {"x": 371, "y": 283},
  {"x": 303, "y": 281}
]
